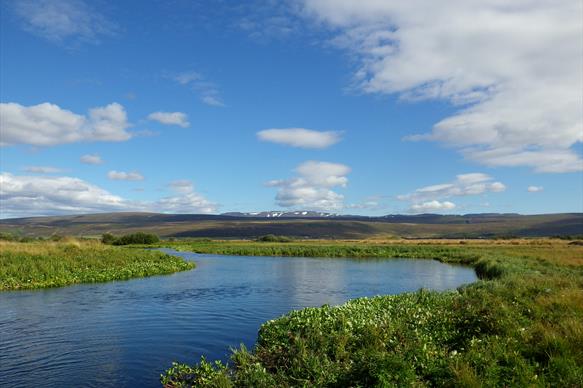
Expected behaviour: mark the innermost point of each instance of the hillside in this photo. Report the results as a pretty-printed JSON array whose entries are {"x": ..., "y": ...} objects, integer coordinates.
[{"x": 326, "y": 226}]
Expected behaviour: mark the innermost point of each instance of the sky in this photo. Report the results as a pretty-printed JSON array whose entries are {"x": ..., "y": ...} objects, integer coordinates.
[{"x": 354, "y": 107}]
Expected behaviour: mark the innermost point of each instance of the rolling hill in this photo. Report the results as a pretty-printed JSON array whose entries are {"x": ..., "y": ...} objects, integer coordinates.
[{"x": 299, "y": 225}]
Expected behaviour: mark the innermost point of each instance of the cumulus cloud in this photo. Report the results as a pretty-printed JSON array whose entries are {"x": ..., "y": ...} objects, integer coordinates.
[
  {"x": 207, "y": 91},
  {"x": 300, "y": 137},
  {"x": 427, "y": 198},
  {"x": 22, "y": 196},
  {"x": 63, "y": 21},
  {"x": 91, "y": 159},
  {"x": 125, "y": 176},
  {"x": 48, "y": 124},
  {"x": 187, "y": 200},
  {"x": 312, "y": 188},
  {"x": 535, "y": 189},
  {"x": 513, "y": 70},
  {"x": 432, "y": 206},
  {"x": 38, "y": 195},
  {"x": 42, "y": 169},
  {"x": 170, "y": 118}
]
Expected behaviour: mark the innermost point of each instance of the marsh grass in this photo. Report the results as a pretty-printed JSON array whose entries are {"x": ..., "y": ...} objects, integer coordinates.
[
  {"x": 69, "y": 261},
  {"x": 521, "y": 325}
]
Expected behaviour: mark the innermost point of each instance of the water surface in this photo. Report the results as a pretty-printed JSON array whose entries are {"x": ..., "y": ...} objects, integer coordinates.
[{"x": 124, "y": 334}]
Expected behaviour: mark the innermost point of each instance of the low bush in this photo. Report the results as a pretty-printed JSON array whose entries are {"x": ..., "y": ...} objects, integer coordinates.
[
  {"x": 137, "y": 238},
  {"x": 274, "y": 238},
  {"x": 108, "y": 238}
]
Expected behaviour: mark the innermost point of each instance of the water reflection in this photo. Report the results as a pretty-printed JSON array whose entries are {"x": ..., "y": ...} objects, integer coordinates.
[{"x": 126, "y": 333}]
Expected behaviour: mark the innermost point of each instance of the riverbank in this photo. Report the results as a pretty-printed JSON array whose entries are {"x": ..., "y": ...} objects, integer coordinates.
[
  {"x": 519, "y": 326},
  {"x": 42, "y": 264}
]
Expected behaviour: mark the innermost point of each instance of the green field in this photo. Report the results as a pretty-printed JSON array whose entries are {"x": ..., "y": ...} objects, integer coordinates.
[
  {"x": 520, "y": 325},
  {"x": 43, "y": 264}
]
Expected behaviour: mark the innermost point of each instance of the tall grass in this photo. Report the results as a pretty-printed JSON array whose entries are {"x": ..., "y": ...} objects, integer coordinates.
[
  {"x": 522, "y": 325},
  {"x": 54, "y": 264}
]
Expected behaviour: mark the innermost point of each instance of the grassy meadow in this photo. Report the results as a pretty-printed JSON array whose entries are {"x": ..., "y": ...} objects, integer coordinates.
[
  {"x": 40, "y": 264},
  {"x": 520, "y": 325}
]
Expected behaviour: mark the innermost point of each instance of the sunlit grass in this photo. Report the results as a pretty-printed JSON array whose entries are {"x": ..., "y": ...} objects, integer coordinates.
[
  {"x": 54, "y": 264},
  {"x": 521, "y": 325}
]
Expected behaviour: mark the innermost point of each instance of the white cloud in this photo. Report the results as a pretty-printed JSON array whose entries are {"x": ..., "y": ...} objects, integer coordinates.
[
  {"x": 207, "y": 91},
  {"x": 432, "y": 206},
  {"x": 368, "y": 205},
  {"x": 212, "y": 100},
  {"x": 312, "y": 188},
  {"x": 496, "y": 187},
  {"x": 513, "y": 69},
  {"x": 188, "y": 200},
  {"x": 125, "y": 176},
  {"x": 535, "y": 189},
  {"x": 170, "y": 118},
  {"x": 22, "y": 196},
  {"x": 47, "y": 124},
  {"x": 426, "y": 197},
  {"x": 91, "y": 159},
  {"x": 182, "y": 186},
  {"x": 300, "y": 137},
  {"x": 37, "y": 195},
  {"x": 42, "y": 169},
  {"x": 61, "y": 21}
]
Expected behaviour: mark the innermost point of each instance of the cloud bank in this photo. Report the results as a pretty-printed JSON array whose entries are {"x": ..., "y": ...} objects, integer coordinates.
[
  {"x": 428, "y": 198},
  {"x": 22, "y": 196},
  {"x": 513, "y": 70}
]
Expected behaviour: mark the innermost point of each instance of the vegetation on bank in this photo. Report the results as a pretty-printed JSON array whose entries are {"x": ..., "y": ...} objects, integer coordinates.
[
  {"x": 40, "y": 264},
  {"x": 274, "y": 238},
  {"x": 521, "y": 325},
  {"x": 139, "y": 238}
]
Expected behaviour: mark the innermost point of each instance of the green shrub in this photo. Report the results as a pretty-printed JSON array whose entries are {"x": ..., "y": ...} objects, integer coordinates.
[
  {"x": 108, "y": 238},
  {"x": 204, "y": 374},
  {"x": 137, "y": 238},
  {"x": 274, "y": 238}
]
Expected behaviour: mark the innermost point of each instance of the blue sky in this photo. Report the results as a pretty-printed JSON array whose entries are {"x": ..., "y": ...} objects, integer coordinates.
[{"x": 347, "y": 107}]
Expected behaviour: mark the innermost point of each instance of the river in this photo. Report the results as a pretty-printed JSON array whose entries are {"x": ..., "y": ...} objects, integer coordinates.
[{"x": 126, "y": 333}]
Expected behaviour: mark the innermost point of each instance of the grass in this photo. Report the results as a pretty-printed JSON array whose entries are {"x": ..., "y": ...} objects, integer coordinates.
[
  {"x": 54, "y": 264},
  {"x": 521, "y": 325}
]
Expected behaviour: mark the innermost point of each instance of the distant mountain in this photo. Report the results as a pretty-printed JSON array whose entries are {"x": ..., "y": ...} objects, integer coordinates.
[
  {"x": 282, "y": 214},
  {"x": 301, "y": 224}
]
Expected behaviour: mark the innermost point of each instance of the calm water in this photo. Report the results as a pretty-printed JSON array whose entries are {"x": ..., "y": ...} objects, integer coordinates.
[{"x": 125, "y": 334}]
